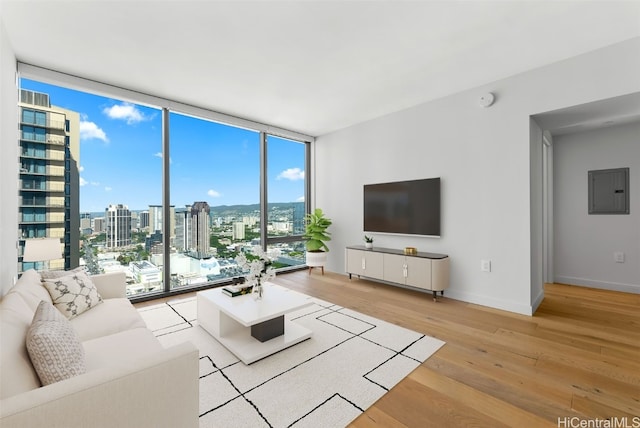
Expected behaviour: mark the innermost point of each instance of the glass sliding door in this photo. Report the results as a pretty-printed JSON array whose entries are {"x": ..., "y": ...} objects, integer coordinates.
[
  {"x": 215, "y": 198},
  {"x": 286, "y": 206}
]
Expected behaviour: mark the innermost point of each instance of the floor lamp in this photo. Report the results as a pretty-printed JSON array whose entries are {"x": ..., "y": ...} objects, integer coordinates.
[{"x": 41, "y": 249}]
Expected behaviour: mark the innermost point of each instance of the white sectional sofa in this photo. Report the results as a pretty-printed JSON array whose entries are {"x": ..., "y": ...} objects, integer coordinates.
[{"x": 130, "y": 379}]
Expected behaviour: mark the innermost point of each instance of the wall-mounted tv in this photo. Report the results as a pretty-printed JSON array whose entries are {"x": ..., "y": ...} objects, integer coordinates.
[{"x": 405, "y": 207}]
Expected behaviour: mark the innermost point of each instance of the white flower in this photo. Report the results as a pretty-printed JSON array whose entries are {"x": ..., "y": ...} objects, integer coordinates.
[{"x": 259, "y": 269}]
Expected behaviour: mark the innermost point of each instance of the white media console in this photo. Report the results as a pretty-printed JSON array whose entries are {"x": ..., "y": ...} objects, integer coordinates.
[{"x": 424, "y": 271}]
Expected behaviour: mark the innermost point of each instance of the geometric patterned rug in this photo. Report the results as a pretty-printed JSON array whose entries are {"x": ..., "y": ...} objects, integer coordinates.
[{"x": 350, "y": 361}]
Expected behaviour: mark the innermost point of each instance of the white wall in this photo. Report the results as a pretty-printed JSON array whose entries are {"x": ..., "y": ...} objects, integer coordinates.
[
  {"x": 584, "y": 244},
  {"x": 483, "y": 156},
  {"x": 9, "y": 162}
]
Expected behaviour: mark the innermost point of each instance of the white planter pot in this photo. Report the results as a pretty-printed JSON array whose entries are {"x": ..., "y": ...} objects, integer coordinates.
[
  {"x": 368, "y": 245},
  {"x": 315, "y": 259}
]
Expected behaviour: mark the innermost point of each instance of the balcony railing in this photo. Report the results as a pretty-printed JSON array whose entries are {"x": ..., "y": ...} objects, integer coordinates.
[
  {"x": 48, "y": 139},
  {"x": 42, "y": 218},
  {"x": 39, "y": 185},
  {"x": 39, "y": 201},
  {"x": 52, "y": 124},
  {"x": 55, "y": 139},
  {"x": 53, "y": 155}
]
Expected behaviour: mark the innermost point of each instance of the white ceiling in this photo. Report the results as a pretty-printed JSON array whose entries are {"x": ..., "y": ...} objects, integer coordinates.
[
  {"x": 586, "y": 117},
  {"x": 308, "y": 66}
]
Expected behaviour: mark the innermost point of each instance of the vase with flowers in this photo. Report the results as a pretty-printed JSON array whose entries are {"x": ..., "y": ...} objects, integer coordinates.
[{"x": 259, "y": 265}]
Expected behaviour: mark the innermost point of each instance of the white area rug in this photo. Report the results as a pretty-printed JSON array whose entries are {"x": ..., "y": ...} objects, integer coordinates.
[{"x": 350, "y": 361}]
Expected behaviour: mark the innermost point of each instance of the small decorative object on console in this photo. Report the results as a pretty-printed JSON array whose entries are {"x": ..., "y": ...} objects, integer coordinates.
[{"x": 410, "y": 251}]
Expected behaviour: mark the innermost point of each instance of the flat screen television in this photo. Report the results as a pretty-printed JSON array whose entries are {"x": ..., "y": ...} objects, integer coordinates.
[{"x": 404, "y": 207}]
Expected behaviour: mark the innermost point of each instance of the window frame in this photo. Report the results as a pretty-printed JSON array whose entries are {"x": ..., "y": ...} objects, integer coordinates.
[{"x": 167, "y": 107}]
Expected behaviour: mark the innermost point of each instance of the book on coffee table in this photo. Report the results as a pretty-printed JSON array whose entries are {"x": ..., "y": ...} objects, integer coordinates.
[{"x": 235, "y": 290}]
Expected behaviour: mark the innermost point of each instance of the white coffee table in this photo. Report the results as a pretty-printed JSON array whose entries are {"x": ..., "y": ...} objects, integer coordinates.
[{"x": 253, "y": 329}]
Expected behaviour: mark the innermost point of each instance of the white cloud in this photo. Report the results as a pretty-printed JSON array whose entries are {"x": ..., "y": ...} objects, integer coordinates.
[
  {"x": 214, "y": 193},
  {"x": 159, "y": 155},
  {"x": 292, "y": 174},
  {"x": 83, "y": 182},
  {"x": 300, "y": 199},
  {"x": 91, "y": 131},
  {"x": 107, "y": 189},
  {"x": 125, "y": 111},
  {"x": 80, "y": 168}
]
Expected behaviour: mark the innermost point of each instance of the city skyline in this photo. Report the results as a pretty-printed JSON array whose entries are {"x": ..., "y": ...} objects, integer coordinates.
[{"x": 121, "y": 156}]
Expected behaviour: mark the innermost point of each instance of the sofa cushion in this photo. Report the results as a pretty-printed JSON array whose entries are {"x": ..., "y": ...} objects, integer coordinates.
[
  {"x": 73, "y": 294},
  {"x": 120, "y": 348},
  {"x": 53, "y": 346},
  {"x": 31, "y": 290},
  {"x": 17, "y": 374},
  {"x": 109, "y": 317}
]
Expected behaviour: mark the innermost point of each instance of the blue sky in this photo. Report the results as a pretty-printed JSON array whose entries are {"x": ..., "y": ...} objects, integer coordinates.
[{"x": 121, "y": 156}]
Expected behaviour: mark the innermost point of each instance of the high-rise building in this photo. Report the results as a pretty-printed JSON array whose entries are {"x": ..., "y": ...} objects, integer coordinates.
[
  {"x": 85, "y": 222},
  {"x": 144, "y": 219},
  {"x": 135, "y": 221},
  {"x": 183, "y": 229},
  {"x": 299, "y": 225},
  {"x": 49, "y": 178},
  {"x": 98, "y": 225},
  {"x": 153, "y": 243},
  {"x": 155, "y": 220},
  {"x": 118, "y": 219},
  {"x": 200, "y": 244},
  {"x": 238, "y": 230}
]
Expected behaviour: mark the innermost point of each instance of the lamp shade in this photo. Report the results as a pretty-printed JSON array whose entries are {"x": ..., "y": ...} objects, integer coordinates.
[{"x": 41, "y": 249}]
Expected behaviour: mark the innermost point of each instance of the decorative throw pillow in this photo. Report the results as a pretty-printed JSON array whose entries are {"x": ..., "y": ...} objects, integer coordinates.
[
  {"x": 55, "y": 274},
  {"x": 53, "y": 346},
  {"x": 73, "y": 294}
]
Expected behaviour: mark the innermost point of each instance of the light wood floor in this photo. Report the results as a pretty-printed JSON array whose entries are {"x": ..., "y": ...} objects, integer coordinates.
[{"x": 578, "y": 356}]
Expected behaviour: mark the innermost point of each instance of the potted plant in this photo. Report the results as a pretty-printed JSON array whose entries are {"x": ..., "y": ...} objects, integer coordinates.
[
  {"x": 368, "y": 241},
  {"x": 316, "y": 236}
]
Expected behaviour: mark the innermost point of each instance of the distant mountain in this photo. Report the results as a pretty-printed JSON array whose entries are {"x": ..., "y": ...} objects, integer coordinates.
[
  {"x": 224, "y": 209},
  {"x": 229, "y": 209}
]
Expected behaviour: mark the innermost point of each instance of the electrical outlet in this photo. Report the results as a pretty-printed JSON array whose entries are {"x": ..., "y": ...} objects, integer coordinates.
[
  {"x": 485, "y": 265},
  {"x": 618, "y": 256}
]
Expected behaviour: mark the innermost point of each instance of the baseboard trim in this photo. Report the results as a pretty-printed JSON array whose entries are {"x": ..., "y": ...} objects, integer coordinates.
[
  {"x": 602, "y": 285},
  {"x": 504, "y": 305},
  {"x": 538, "y": 301}
]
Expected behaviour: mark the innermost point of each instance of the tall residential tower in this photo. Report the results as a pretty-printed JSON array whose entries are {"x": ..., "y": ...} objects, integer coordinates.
[
  {"x": 200, "y": 244},
  {"x": 118, "y": 219},
  {"x": 49, "y": 203}
]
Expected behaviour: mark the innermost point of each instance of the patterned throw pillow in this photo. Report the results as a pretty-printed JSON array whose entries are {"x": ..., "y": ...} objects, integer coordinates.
[
  {"x": 73, "y": 294},
  {"x": 53, "y": 345},
  {"x": 55, "y": 274}
]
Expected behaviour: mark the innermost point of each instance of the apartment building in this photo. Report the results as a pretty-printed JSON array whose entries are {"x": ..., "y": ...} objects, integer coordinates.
[{"x": 49, "y": 188}]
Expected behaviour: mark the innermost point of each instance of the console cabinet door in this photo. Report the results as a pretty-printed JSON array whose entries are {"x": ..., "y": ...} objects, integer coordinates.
[
  {"x": 440, "y": 276},
  {"x": 354, "y": 262},
  {"x": 418, "y": 272},
  {"x": 394, "y": 268},
  {"x": 365, "y": 263},
  {"x": 413, "y": 271},
  {"x": 373, "y": 266}
]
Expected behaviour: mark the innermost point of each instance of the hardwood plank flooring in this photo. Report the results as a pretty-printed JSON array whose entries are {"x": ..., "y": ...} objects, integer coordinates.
[{"x": 577, "y": 356}]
